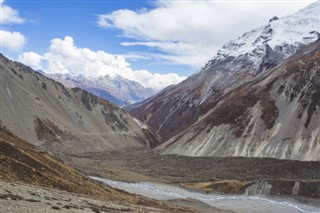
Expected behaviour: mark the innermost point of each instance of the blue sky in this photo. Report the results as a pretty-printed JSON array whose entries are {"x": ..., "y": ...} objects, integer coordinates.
[
  {"x": 156, "y": 43},
  {"x": 56, "y": 19},
  {"x": 46, "y": 20}
]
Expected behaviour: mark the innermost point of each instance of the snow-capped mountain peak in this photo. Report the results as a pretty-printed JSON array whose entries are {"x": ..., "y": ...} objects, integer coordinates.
[
  {"x": 297, "y": 28},
  {"x": 283, "y": 35}
]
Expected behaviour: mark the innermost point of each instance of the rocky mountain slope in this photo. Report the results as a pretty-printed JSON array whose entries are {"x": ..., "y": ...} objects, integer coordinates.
[
  {"x": 237, "y": 62},
  {"x": 275, "y": 115},
  {"x": 118, "y": 90},
  {"x": 63, "y": 120},
  {"x": 22, "y": 163}
]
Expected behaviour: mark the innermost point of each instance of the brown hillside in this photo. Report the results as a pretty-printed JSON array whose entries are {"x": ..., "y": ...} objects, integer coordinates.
[{"x": 25, "y": 163}]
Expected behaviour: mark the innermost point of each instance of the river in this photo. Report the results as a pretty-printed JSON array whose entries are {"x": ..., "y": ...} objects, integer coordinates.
[{"x": 238, "y": 203}]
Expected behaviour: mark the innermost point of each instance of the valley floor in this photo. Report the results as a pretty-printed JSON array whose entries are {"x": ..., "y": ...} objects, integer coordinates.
[
  {"x": 211, "y": 175},
  {"x": 17, "y": 198}
]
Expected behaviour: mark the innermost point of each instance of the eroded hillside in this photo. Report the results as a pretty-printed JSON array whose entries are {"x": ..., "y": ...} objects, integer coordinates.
[{"x": 47, "y": 114}]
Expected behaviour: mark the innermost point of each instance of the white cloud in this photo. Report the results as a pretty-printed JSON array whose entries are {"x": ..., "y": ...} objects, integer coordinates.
[
  {"x": 191, "y": 32},
  {"x": 156, "y": 80},
  {"x": 12, "y": 40},
  {"x": 9, "y": 15},
  {"x": 180, "y": 52},
  {"x": 31, "y": 59},
  {"x": 65, "y": 57}
]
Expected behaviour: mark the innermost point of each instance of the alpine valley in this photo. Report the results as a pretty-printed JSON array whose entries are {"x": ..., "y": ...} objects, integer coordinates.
[{"x": 240, "y": 135}]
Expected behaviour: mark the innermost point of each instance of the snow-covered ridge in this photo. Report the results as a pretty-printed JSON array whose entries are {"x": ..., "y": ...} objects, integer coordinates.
[{"x": 283, "y": 35}]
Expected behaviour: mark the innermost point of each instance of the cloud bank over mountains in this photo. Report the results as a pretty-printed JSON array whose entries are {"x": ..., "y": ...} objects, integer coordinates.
[
  {"x": 179, "y": 32},
  {"x": 66, "y": 58},
  {"x": 191, "y": 32}
]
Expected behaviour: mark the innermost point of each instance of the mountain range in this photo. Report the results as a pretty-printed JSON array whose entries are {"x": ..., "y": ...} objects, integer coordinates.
[
  {"x": 117, "y": 89},
  {"x": 256, "y": 97}
]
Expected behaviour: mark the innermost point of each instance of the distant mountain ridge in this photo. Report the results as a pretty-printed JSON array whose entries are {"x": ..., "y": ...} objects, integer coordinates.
[
  {"x": 118, "y": 90},
  {"x": 239, "y": 61}
]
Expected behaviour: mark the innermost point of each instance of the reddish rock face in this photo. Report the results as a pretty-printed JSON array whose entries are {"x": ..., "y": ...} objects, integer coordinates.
[
  {"x": 236, "y": 63},
  {"x": 295, "y": 82},
  {"x": 274, "y": 115},
  {"x": 176, "y": 109}
]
